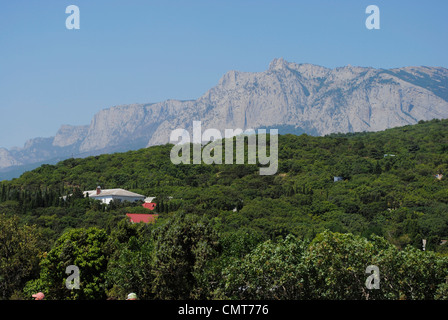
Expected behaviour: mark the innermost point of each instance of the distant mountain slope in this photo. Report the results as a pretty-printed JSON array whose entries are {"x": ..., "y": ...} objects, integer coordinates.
[{"x": 296, "y": 98}]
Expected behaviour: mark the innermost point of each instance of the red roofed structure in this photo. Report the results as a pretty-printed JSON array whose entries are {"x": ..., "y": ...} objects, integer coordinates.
[
  {"x": 142, "y": 217},
  {"x": 149, "y": 205}
]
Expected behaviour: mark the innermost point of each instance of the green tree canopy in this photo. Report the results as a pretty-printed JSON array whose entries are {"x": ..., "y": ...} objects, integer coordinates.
[
  {"x": 20, "y": 251},
  {"x": 86, "y": 249}
]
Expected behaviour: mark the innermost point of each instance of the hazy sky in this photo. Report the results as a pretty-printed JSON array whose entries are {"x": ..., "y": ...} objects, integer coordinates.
[{"x": 129, "y": 51}]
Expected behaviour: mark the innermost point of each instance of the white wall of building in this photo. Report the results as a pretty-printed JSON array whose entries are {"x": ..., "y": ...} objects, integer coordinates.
[{"x": 108, "y": 199}]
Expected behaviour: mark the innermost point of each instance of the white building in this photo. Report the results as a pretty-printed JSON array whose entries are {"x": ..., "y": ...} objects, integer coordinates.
[{"x": 107, "y": 195}]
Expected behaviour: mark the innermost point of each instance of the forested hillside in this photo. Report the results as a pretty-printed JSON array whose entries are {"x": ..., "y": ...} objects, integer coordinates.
[{"x": 216, "y": 221}]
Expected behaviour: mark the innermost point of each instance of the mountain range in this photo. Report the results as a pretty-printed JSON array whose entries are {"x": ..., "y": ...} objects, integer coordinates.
[{"x": 294, "y": 98}]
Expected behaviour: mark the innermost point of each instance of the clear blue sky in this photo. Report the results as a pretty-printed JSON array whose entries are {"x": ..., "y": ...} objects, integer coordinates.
[{"x": 130, "y": 51}]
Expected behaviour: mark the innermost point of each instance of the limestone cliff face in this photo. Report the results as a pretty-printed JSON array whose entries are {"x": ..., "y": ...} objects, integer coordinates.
[
  {"x": 6, "y": 159},
  {"x": 317, "y": 100},
  {"x": 292, "y": 97},
  {"x": 70, "y": 135}
]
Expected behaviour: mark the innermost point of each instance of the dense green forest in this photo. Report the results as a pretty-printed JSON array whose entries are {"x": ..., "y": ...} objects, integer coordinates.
[{"x": 227, "y": 232}]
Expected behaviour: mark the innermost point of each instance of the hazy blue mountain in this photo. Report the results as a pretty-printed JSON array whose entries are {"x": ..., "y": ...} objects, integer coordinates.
[{"x": 295, "y": 98}]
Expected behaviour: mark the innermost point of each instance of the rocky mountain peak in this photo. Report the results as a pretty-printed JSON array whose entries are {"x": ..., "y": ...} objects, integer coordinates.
[
  {"x": 278, "y": 64},
  {"x": 229, "y": 80}
]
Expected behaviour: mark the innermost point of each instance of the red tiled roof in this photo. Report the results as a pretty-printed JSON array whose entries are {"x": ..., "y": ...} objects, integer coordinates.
[
  {"x": 142, "y": 217},
  {"x": 149, "y": 205}
]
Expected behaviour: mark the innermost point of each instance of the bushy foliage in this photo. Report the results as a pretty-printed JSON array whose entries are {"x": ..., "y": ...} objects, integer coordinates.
[
  {"x": 87, "y": 250},
  {"x": 333, "y": 266},
  {"x": 240, "y": 225},
  {"x": 20, "y": 249}
]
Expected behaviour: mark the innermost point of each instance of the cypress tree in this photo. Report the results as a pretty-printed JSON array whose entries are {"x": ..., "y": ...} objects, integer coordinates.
[{"x": 3, "y": 193}]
